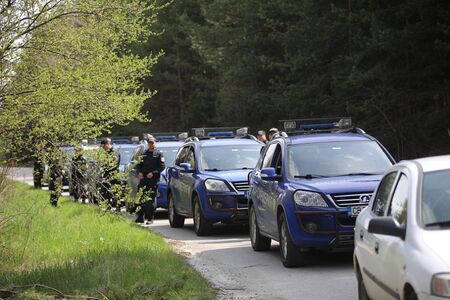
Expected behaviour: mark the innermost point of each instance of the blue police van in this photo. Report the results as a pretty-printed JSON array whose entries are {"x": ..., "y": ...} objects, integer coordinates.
[
  {"x": 308, "y": 188},
  {"x": 209, "y": 181}
]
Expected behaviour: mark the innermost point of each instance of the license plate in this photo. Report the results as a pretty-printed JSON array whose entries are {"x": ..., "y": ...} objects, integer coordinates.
[{"x": 354, "y": 211}]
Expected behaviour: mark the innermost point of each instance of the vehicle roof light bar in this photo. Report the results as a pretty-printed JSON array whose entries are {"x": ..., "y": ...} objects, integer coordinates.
[
  {"x": 219, "y": 132},
  {"x": 302, "y": 126},
  {"x": 169, "y": 136}
]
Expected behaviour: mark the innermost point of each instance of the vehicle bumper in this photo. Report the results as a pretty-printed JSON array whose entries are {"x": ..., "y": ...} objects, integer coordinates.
[
  {"x": 226, "y": 207},
  {"x": 330, "y": 229}
]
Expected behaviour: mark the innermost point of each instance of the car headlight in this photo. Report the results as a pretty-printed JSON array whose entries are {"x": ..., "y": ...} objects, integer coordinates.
[
  {"x": 440, "y": 285},
  {"x": 216, "y": 185},
  {"x": 304, "y": 198}
]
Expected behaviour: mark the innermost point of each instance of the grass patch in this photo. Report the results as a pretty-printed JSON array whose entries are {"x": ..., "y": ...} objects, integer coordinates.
[{"x": 79, "y": 251}]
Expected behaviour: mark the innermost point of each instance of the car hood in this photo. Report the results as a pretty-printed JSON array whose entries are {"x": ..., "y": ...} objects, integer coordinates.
[
  {"x": 438, "y": 241},
  {"x": 230, "y": 175},
  {"x": 340, "y": 185}
]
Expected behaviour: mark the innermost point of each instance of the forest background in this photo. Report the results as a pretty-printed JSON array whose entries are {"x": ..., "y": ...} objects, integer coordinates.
[{"x": 251, "y": 63}]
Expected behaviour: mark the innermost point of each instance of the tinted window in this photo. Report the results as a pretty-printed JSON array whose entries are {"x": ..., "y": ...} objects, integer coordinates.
[
  {"x": 267, "y": 161},
  {"x": 436, "y": 197},
  {"x": 399, "y": 201},
  {"x": 383, "y": 192},
  {"x": 229, "y": 157},
  {"x": 336, "y": 159},
  {"x": 182, "y": 155}
]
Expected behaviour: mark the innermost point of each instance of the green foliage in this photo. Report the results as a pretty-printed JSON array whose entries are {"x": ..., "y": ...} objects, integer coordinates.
[
  {"x": 77, "y": 77},
  {"x": 79, "y": 250}
]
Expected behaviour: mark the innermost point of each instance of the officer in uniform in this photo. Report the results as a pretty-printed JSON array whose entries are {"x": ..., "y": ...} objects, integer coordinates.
[
  {"x": 79, "y": 167},
  {"x": 109, "y": 161},
  {"x": 56, "y": 175},
  {"x": 273, "y": 132},
  {"x": 148, "y": 169},
  {"x": 38, "y": 172}
]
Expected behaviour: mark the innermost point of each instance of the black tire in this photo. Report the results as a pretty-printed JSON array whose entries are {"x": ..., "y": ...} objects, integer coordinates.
[
  {"x": 362, "y": 292},
  {"x": 259, "y": 242},
  {"x": 202, "y": 226},
  {"x": 290, "y": 254},
  {"x": 411, "y": 295},
  {"x": 175, "y": 220}
]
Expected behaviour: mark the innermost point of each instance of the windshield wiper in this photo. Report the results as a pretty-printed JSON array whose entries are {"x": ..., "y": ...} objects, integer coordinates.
[
  {"x": 356, "y": 174},
  {"x": 213, "y": 169},
  {"x": 440, "y": 223},
  {"x": 310, "y": 176}
]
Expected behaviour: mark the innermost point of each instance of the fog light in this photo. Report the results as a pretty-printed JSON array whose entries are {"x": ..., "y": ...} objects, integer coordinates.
[
  {"x": 217, "y": 205},
  {"x": 311, "y": 226}
]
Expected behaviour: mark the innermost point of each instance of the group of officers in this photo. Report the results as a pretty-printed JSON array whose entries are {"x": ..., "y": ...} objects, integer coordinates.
[{"x": 148, "y": 169}]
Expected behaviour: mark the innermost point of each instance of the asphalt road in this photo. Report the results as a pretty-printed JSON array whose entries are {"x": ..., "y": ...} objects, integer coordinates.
[{"x": 227, "y": 260}]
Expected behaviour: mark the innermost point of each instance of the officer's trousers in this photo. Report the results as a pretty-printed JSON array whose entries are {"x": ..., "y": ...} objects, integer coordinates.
[{"x": 146, "y": 207}]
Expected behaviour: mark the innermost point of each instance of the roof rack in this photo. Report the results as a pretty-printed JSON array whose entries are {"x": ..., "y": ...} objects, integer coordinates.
[
  {"x": 219, "y": 132},
  {"x": 323, "y": 125}
]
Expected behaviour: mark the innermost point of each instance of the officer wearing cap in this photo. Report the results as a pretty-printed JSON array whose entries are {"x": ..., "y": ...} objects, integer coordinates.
[
  {"x": 109, "y": 160},
  {"x": 148, "y": 169},
  {"x": 261, "y": 136},
  {"x": 272, "y": 132}
]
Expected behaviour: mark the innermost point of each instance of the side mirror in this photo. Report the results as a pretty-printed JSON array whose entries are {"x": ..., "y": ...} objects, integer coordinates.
[
  {"x": 269, "y": 174},
  {"x": 387, "y": 226},
  {"x": 186, "y": 167}
]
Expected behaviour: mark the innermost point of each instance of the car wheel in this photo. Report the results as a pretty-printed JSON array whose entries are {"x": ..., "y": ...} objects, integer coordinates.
[
  {"x": 362, "y": 292},
  {"x": 411, "y": 295},
  {"x": 202, "y": 226},
  {"x": 175, "y": 220},
  {"x": 290, "y": 255},
  {"x": 259, "y": 242}
]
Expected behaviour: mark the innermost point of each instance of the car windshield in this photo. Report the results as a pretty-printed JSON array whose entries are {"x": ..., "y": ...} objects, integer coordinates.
[
  {"x": 169, "y": 154},
  {"x": 229, "y": 157},
  {"x": 436, "y": 199},
  {"x": 126, "y": 153},
  {"x": 336, "y": 159}
]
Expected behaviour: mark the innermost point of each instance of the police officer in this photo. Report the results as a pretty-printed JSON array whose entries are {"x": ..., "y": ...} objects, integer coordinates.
[
  {"x": 109, "y": 161},
  {"x": 56, "y": 177},
  {"x": 148, "y": 169},
  {"x": 79, "y": 167},
  {"x": 273, "y": 132},
  {"x": 261, "y": 136},
  {"x": 38, "y": 172}
]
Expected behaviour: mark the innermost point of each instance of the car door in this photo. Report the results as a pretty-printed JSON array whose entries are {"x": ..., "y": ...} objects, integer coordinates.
[
  {"x": 368, "y": 243},
  {"x": 260, "y": 190},
  {"x": 391, "y": 260},
  {"x": 176, "y": 181},
  {"x": 187, "y": 181},
  {"x": 274, "y": 191}
]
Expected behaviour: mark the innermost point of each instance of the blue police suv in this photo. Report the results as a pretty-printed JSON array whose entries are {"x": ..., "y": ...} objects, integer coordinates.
[
  {"x": 308, "y": 188},
  {"x": 209, "y": 181}
]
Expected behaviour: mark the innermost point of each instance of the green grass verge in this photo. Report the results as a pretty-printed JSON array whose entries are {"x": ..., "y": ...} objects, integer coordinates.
[{"x": 78, "y": 250}]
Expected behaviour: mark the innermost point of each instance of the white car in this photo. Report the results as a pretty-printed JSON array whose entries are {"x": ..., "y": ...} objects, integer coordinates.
[{"x": 402, "y": 239}]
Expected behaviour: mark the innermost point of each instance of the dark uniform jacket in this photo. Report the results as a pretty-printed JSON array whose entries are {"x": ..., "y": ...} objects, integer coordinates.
[
  {"x": 152, "y": 161},
  {"x": 111, "y": 163}
]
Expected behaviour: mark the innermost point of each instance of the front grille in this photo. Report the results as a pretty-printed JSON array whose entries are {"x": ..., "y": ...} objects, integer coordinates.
[
  {"x": 241, "y": 186},
  {"x": 344, "y": 200}
]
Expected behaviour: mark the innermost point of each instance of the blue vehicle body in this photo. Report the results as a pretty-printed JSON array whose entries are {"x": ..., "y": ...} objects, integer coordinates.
[
  {"x": 169, "y": 150},
  {"x": 330, "y": 224},
  {"x": 226, "y": 198}
]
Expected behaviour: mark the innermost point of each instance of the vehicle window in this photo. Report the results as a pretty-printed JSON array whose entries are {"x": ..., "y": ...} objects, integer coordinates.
[
  {"x": 398, "y": 206},
  {"x": 277, "y": 160},
  {"x": 182, "y": 155},
  {"x": 267, "y": 161},
  {"x": 337, "y": 159},
  {"x": 229, "y": 157},
  {"x": 191, "y": 157},
  {"x": 383, "y": 192},
  {"x": 436, "y": 199},
  {"x": 169, "y": 155}
]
